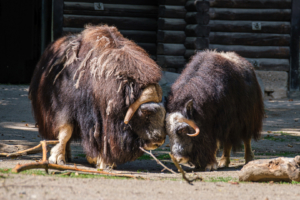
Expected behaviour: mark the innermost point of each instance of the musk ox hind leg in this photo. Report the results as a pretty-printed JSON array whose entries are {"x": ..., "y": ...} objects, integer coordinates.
[
  {"x": 58, "y": 152},
  {"x": 225, "y": 159},
  {"x": 249, "y": 156}
]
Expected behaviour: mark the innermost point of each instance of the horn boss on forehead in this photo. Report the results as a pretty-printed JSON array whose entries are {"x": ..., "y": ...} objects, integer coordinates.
[{"x": 152, "y": 93}]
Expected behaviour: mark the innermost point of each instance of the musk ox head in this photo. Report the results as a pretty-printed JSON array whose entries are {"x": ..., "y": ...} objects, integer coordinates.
[
  {"x": 149, "y": 114},
  {"x": 181, "y": 129}
]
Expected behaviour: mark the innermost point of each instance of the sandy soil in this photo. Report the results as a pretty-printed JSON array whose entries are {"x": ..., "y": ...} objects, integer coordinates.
[{"x": 281, "y": 137}]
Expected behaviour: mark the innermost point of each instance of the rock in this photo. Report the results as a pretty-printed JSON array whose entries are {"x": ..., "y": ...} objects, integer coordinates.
[{"x": 275, "y": 83}]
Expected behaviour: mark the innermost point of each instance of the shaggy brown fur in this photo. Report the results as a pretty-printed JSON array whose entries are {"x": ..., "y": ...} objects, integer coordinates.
[
  {"x": 89, "y": 80},
  {"x": 227, "y": 105}
]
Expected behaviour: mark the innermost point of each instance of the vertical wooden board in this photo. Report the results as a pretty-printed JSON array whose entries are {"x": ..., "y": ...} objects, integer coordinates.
[
  {"x": 295, "y": 34},
  {"x": 58, "y": 12}
]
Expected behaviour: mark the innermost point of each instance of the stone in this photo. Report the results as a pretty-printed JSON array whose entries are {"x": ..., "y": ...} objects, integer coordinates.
[{"x": 275, "y": 83}]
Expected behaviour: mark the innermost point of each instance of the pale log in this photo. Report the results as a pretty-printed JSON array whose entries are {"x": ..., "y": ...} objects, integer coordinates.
[
  {"x": 83, "y": 8},
  {"x": 250, "y": 14},
  {"x": 197, "y": 18},
  {"x": 268, "y": 64},
  {"x": 281, "y": 4},
  {"x": 254, "y": 39},
  {"x": 171, "y": 24},
  {"x": 171, "y": 11},
  {"x": 278, "y": 169},
  {"x": 170, "y": 36},
  {"x": 196, "y": 5},
  {"x": 125, "y": 23},
  {"x": 246, "y": 26},
  {"x": 170, "y": 61},
  {"x": 195, "y": 30},
  {"x": 198, "y": 43},
  {"x": 170, "y": 49},
  {"x": 255, "y": 51}
]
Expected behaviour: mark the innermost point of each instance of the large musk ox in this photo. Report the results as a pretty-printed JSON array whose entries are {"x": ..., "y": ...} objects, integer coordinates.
[
  {"x": 216, "y": 99},
  {"x": 100, "y": 88}
]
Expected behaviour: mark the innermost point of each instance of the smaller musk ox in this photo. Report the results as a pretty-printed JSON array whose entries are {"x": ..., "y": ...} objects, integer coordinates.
[
  {"x": 100, "y": 88},
  {"x": 216, "y": 99}
]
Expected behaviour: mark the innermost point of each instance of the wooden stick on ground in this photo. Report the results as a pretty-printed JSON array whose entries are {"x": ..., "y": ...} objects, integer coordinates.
[
  {"x": 20, "y": 153},
  {"x": 158, "y": 162},
  {"x": 183, "y": 172},
  {"x": 44, "y": 164}
]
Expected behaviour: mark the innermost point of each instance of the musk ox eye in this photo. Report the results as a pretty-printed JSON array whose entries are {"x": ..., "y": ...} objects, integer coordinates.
[{"x": 146, "y": 113}]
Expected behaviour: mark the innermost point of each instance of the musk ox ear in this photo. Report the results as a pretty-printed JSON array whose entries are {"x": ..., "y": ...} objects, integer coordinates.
[{"x": 189, "y": 109}]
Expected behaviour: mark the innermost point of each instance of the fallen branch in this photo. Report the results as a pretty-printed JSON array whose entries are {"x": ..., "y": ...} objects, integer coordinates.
[
  {"x": 158, "y": 162},
  {"x": 44, "y": 164},
  {"x": 278, "y": 169},
  {"x": 183, "y": 172},
  {"x": 33, "y": 149}
]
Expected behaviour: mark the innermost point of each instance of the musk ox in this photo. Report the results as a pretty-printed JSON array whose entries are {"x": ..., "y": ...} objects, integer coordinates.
[
  {"x": 102, "y": 89},
  {"x": 216, "y": 99}
]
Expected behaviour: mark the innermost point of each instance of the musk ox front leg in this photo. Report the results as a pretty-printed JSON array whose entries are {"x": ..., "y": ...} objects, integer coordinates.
[{"x": 58, "y": 152}]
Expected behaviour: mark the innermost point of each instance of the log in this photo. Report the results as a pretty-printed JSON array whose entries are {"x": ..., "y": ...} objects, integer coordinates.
[
  {"x": 255, "y": 39},
  {"x": 149, "y": 47},
  {"x": 250, "y": 14},
  {"x": 170, "y": 49},
  {"x": 270, "y": 64},
  {"x": 125, "y": 23},
  {"x": 171, "y": 2},
  {"x": 195, "y": 30},
  {"x": 170, "y": 61},
  {"x": 278, "y": 169},
  {"x": 57, "y": 21},
  {"x": 246, "y": 26},
  {"x": 80, "y": 8},
  {"x": 281, "y": 4},
  {"x": 131, "y": 2},
  {"x": 199, "y": 6},
  {"x": 171, "y": 11},
  {"x": 189, "y": 53},
  {"x": 198, "y": 43},
  {"x": 171, "y": 24},
  {"x": 135, "y": 35},
  {"x": 170, "y": 36},
  {"x": 255, "y": 51},
  {"x": 197, "y": 18}
]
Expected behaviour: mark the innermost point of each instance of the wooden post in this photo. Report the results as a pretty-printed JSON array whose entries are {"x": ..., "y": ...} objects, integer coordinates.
[
  {"x": 295, "y": 34},
  {"x": 57, "y": 18}
]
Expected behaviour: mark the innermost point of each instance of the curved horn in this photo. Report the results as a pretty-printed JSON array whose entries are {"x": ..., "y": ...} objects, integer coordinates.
[
  {"x": 152, "y": 93},
  {"x": 193, "y": 125}
]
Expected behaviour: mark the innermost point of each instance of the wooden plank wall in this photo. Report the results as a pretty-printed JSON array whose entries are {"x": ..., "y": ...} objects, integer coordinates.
[
  {"x": 136, "y": 19},
  {"x": 171, "y": 35},
  {"x": 232, "y": 25}
]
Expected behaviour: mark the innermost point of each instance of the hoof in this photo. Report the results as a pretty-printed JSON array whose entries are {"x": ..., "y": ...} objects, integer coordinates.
[
  {"x": 224, "y": 162},
  {"x": 57, "y": 159},
  {"x": 249, "y": 158},
  {"x": 211, "y": 167}
]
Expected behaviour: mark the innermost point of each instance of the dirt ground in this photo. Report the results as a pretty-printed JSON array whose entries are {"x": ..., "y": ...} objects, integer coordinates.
[{"x": 280, "y": 137}]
